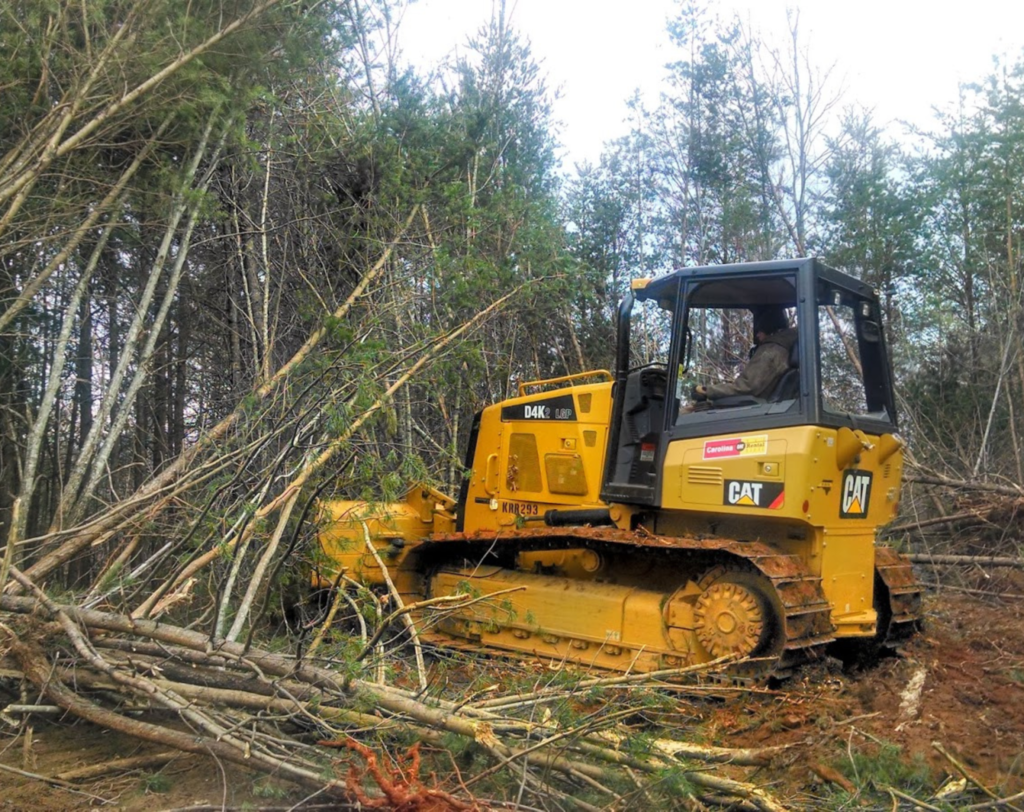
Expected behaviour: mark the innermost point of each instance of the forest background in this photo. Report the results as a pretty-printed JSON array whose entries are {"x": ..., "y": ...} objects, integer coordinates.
[{"x": 249, "y": 260}]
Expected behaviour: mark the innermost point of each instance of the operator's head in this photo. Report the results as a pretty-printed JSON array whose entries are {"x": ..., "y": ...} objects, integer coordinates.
[{"x": 768, "y": 320}]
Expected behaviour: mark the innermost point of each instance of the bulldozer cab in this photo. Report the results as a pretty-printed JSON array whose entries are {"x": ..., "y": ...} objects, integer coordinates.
[{"x": 695, "y": 327}]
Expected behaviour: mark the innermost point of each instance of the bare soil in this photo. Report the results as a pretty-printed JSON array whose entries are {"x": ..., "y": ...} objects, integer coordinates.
[
  {"x": 958, "y": 687},
  {"x": 187, "y": 781},
  {"x": 856, "y": 733}
]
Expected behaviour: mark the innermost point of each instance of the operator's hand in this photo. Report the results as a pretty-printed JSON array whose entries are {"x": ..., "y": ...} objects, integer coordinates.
[{"x": 699, "y": 393}]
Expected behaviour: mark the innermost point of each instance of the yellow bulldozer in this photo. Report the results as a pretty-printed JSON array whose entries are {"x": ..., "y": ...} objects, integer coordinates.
[{"x": 629, "y": 527}]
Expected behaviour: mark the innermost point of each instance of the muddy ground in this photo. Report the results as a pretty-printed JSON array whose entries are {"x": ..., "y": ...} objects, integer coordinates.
[{"x": 860, "y": 737}]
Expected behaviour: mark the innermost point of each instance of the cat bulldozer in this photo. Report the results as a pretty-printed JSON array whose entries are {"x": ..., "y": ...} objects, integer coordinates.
[{"x": 607, "y": 520}]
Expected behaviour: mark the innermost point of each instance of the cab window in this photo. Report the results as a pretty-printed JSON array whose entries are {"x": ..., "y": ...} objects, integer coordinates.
[{"x": 853, "y": 372}]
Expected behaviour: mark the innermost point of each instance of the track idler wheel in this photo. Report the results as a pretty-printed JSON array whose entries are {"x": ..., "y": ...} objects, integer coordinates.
[{"x": 730, "y": 616}]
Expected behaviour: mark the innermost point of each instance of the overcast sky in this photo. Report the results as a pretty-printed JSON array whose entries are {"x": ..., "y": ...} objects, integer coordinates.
[{"x": 901, "y": 57}]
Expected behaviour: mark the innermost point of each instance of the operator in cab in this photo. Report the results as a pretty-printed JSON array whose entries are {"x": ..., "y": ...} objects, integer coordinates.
[{"x": 773, "y": 340}]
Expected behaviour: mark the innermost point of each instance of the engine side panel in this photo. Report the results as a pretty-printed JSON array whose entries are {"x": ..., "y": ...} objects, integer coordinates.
[{"x": 537, "y": 453}]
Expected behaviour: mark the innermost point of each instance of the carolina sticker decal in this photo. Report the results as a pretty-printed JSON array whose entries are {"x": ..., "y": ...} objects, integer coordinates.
[
  {"x": 744, "y": 493},
  {"x": 752, "y": 445},
  {"x": 856, "y": 494}
]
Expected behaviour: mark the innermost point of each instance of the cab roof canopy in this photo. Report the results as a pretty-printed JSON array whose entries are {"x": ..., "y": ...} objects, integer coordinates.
[{"x": 746, "y": 284}]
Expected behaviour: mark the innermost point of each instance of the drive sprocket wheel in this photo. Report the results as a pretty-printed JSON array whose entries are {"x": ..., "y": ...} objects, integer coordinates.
[{"x": 729, "y": 617}]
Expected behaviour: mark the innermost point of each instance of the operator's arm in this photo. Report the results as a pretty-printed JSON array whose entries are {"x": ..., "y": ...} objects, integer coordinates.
[{"x": 768, "y": 364}]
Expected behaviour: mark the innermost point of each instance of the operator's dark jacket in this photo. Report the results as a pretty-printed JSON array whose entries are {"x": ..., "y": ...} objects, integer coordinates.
[{"x": 764, "y": 369}]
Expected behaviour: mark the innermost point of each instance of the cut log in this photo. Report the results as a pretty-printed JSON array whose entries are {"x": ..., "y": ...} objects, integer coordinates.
[
  {"x": 120, "y": 765},
  {"x": 979, "y": 560}
]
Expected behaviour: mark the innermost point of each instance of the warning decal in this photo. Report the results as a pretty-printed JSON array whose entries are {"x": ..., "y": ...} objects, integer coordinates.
[{"x": 750, "y": 446}]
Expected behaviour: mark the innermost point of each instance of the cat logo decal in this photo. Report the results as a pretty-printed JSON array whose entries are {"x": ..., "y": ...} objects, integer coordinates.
[{"x": 855, "y": 495}]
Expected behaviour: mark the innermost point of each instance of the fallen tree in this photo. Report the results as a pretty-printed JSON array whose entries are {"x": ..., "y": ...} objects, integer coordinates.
[
  {"x": 969, "y": 560},
  {"x": 218, "y": 689}
]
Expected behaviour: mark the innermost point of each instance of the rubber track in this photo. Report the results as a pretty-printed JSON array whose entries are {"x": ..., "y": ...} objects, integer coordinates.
[{"x": 807, "y": 614}]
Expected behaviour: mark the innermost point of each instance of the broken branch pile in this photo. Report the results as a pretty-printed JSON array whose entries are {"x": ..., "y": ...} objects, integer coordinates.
[
  {"x": 964, "y": 530},
  {"x": 288, "y": 716}
]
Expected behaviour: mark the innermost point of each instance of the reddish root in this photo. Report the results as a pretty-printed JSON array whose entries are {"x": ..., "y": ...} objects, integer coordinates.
[{"x": 400, "y": 785}]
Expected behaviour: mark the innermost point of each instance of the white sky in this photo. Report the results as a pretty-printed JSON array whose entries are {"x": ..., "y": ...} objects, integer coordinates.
[{"x": 900, "y": 57}]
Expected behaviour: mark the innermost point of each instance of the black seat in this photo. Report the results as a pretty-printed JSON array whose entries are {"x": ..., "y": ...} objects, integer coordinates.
[{"x": 788, "y": 386}]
